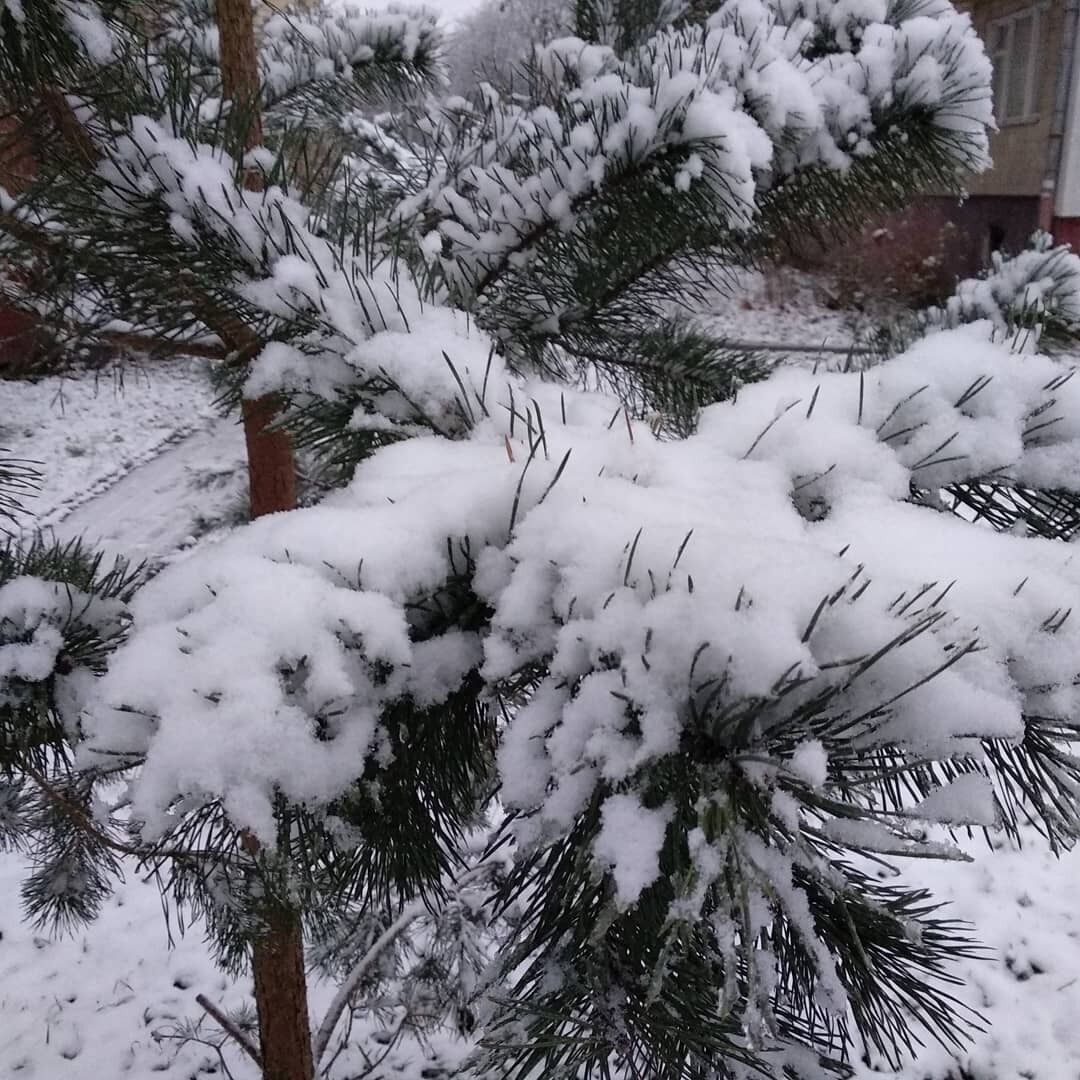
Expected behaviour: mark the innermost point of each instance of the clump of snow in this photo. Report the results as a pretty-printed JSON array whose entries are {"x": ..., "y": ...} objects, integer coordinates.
[
  {"x": 300, "y": 48},
  {"x": 29, "y": 611},
  {"x": 967, "y": 800},
  {"x": 36, "y": 615},
  {"x": 810, "y": 763},
  {"x": 1019, "y": 292},
  {"x": 629, "y": 841},
  {"x": 86, "y": 25}
]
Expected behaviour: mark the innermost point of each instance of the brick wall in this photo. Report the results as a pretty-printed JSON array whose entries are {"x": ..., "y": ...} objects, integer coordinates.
[
  {"x": 1067, "y": 231},
  {"x": 917, "y": 255}
]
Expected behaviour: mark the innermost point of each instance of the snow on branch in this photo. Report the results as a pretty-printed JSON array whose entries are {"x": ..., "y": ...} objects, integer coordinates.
[
  {"x": 302, "y": 48},
  {"x": 715, "y": 658},
  {"x": 1032, "y": 297},
  {"x": 729, "y": 110},
  {"x": 773, "y": 555}
]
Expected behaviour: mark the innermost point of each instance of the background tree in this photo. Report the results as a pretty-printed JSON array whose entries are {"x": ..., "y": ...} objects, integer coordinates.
[{"x": 492, "y": 42}]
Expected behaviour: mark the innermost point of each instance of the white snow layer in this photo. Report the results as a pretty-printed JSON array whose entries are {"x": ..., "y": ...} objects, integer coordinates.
[{"x": 778, "y": 543}]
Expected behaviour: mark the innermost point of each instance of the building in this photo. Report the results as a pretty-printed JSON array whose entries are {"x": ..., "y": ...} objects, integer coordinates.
[{"x": 1035, "y": 179}]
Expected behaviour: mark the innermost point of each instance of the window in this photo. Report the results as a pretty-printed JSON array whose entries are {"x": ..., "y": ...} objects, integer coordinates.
[{"x": 1014, "y": 49}]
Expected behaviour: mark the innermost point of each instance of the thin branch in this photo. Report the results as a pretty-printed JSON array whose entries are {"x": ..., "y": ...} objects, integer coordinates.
[
  {"x": 410, "y": 913},
  {"x": 89, "y": 827},
  {"x": 165, "y": 346},
  {"x": 239, "y": 338},
  {"x": 779, "y": 346},
  {"x": 230, "y": 1028}
]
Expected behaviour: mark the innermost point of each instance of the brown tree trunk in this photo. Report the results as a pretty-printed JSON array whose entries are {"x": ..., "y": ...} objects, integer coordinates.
[
  {"x": 281, "y": 1001},
  {"x": 271, "y": 464},
  {"x": 277, "y": 958},
  {"x": 240, "y": 64}
]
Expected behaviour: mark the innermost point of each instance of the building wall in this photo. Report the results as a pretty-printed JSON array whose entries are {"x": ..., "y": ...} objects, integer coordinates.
[
  {"x": 918, "y": 253},
  {"x": 1067, "y": 231},
  {"x": 1019, "y": 149},
  {"x": 1067, "y": 196}
]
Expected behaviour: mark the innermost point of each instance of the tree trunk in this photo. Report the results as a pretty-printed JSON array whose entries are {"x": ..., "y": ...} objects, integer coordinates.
[
  {"x": 240, "y": 64},
  {"x": 271, "y": 466},
  {"x": 281, "y": 1001},
  {"x": 277, "y": 958}
]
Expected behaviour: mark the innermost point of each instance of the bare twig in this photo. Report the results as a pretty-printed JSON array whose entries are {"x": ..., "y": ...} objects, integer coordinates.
[
  {"x": 795, "y": 347},
  {"x": 163, "y": 346},
  {"x": 230, "y": 1028},
  {"x": 409, "y": 914}
]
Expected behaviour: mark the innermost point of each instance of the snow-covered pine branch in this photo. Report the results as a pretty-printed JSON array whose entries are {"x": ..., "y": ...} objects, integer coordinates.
[
  {"x": 606, "y": 179},
  {"x": 143, "y": 139},
  {"x": 62, "y": 610},
  {"x": 568, "y": 222},
  {"x": 706, "y": 675},
  {"x": 306, "y": 54},
  {"x": 1032, "y": 297},
  {"x": 684, "y": 633},
  {"x": 1031, "y": 302}
]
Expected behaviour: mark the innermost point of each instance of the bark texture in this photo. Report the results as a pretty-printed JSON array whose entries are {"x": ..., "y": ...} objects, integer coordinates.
[
  {"x": 281, "y": 1001},
  {"x": 271, "y": 463},
  {"x": 278, "y": 952}
]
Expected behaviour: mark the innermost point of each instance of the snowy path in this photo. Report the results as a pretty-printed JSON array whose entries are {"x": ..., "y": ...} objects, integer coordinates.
[
  {"x": 88, "y": 430},
  {"x": 154, "y": 509}
]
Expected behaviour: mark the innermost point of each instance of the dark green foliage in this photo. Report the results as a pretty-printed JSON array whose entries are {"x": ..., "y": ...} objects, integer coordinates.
[
  {"x": 19, "y": 480},
  {"x": 97, "y": 269},
  {"x": 398, "y": 834},
  {"x": 624, "y": 24},
  {"x": 88, "y": 614},
  {"x": 39, "y": 48},
  {"x": 73, "y": 869},
  {"x": 656, "y": 991}
]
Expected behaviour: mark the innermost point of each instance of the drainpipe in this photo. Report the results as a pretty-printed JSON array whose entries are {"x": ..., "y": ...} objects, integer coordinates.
[{"x": 1066, "y": 87}]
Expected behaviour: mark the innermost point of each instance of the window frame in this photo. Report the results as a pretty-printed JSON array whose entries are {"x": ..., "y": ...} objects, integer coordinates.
[{"x": 1003, "y": 58}]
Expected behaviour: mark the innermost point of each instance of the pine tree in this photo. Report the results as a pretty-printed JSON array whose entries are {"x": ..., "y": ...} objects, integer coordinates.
[{"x": 654, "y": 623}]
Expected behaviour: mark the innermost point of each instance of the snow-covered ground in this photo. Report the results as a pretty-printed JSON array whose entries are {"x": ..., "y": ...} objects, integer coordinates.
[
  {"x": 137, "y": 461},
  {"x": 145, "y": 465},
  {"x": 785, "y": 307}
]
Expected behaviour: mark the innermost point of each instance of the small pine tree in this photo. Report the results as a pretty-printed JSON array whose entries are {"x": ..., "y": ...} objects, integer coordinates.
[{"x": 688, "y": 661}]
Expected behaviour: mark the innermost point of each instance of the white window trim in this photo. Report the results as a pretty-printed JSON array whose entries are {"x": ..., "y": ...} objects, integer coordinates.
[{"x": 1008, "y": 23}]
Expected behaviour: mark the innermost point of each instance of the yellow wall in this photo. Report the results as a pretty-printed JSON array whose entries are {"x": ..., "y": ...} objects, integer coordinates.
[{"x": 1019, "y": 149}]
